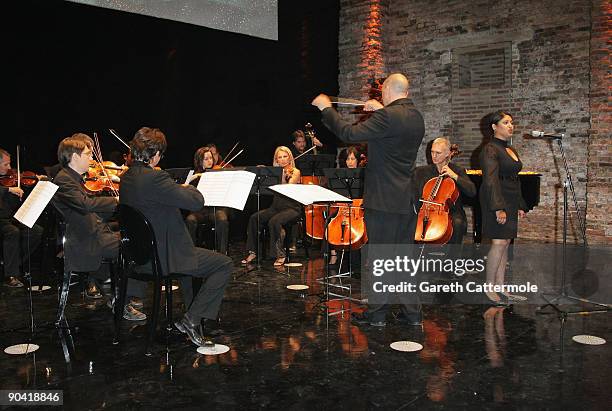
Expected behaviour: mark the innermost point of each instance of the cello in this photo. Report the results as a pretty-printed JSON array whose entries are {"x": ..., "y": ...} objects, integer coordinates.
[
  {"x": 347, "y": 228},
  {"x": 434, "y": 222}
]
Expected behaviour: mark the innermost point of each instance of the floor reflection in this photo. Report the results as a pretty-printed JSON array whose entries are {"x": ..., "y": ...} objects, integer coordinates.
[{"x": 286, "y": 353}]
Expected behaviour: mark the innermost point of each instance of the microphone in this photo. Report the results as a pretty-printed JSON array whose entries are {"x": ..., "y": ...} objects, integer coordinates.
[{"x": 554, "y": 136}]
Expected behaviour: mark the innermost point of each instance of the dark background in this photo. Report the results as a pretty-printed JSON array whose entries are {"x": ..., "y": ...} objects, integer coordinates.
[{"x": 77, "y": 68}]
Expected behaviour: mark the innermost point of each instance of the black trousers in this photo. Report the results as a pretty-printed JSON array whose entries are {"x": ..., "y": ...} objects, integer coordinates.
[
  {"x": 14, "y": 237},
  {"x": 218, "y": 216},
  {"x": 215, "y": 270},
  {"x": 275, "y": 219},
  {"x": 390, "y": 228}
]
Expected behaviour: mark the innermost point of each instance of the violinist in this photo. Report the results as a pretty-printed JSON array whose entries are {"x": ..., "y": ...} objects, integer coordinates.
[
  {"x": 13, "y": 234},
  {"x": 203, "y": 160},
  {"x": 442, "y": 165},
  {"x": 212, "y": 147},
  {"x": 155, "y": 194},
  {"x": 88, "y": 238},
  {"x": 282, "y": 211}
]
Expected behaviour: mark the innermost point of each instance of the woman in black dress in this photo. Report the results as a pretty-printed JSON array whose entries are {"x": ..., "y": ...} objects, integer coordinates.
[{"x": 500, "y": 197}]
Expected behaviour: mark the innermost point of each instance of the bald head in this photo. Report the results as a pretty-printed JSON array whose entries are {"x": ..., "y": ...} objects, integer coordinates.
[{"x": 395, "y": 87}]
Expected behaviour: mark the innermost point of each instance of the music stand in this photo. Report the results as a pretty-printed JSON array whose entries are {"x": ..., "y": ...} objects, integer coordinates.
[
  {"x": 264, "y": 178},
  {"x": 347, "y": 182},
  {"x": 307, "y": 194},
  {"x": 313, "y": 164},
  {"x": 179, "y": 175}
]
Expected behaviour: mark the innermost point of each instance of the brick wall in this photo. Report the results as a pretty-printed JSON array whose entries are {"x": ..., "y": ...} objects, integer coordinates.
[
  {"x": 599, "y": 176},
  {"x": 546, "y": 62}
]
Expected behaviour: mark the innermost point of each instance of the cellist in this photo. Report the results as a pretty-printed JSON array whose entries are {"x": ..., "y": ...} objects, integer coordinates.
[{"x": 441, "y": 165}]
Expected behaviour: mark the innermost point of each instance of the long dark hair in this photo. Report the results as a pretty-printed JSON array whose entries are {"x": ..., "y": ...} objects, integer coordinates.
[
  {"x": 494, "y": 118},
  {"x": 198, "y": 158}
]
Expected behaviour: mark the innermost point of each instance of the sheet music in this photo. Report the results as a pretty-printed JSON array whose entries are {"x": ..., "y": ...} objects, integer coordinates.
[
  {"x": 226, "y": 188},
  {"x": 308, "y": 194},
  {"x": 36, "y": 202}
]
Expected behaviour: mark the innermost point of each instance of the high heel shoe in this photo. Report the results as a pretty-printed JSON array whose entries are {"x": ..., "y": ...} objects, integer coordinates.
[
  {"x": 249, "y": 258},
  {"x": 279, "y": 261},
  {"x": 497, "y": 302}
]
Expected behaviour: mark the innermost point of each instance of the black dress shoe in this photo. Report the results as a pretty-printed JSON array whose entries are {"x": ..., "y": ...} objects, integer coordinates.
[{"x": 192, "y": 331}]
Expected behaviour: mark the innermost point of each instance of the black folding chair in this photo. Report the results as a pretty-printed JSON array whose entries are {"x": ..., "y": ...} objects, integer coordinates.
[{"x": 138, "y": 250}]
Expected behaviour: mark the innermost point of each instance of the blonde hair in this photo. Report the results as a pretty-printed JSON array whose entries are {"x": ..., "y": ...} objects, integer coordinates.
[{"x": 286, "y": 150}]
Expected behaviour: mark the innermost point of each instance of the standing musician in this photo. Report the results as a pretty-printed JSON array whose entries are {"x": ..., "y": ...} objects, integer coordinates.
[
  {"x": 155, "y": 194},
  {"x": 442, "y": 165},
  {"x": 88, "y": 238},
  {"x": 282, "y": 211},
  {"x": 13, "y": 234},
  {"x": 394, "y": 133},
  {"x": 500, "y": 195},
  {"x": 203, "y": 160}
]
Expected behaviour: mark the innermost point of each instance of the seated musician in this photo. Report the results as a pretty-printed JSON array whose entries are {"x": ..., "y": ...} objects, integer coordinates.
[
  {"x": 299, "y": 144},
  {"x": 440, "y": 155},
  {"x": 13, "y": 234},
  {"x": 219, "y": 216},
  {"x": 212, "y": 147},
  {"x": 88, "y": 238},
  {"x": 155, "y": 194},
  {"x": 282, "y": 211},
  {"x": 350, "y": 157}
]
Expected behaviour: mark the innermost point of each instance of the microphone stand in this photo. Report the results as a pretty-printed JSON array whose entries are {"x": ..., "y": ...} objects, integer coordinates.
[{"x": 554, "y": 302}]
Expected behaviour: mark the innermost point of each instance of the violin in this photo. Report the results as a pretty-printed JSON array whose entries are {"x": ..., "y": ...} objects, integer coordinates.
[
  {"x": 26, "y": 179},
  {"x": 310, "y": 134},
  {"x": 434, "y": 222},
  {"x": 347, "y": 228},
  {"x": 103, "y": 178},
  {"x": 288, "y": 173}
]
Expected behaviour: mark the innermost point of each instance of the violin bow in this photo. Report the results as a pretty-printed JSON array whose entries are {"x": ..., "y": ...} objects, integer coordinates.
[
  {"x": 97, "y": 151},
  {"x": 18, "y": 170},
  {"x": 305, "y": 152},
  {"x": 232, "y": 159},
  {"x": 114, "y": 134},
  {"x": 341, "y": 101},
  {"x": 229, "y": 153}
]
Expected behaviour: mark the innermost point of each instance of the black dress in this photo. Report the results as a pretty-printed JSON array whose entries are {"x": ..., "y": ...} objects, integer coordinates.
[{"x": 500, "y": 190}]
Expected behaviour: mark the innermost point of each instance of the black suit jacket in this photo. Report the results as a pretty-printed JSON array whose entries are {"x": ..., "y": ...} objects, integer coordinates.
[
  {"x": 160, "y": 199},
  {"x": 9, "y": 203},
  {"x": 394, "y": 134},
  {"x": 85, "y": 230}
]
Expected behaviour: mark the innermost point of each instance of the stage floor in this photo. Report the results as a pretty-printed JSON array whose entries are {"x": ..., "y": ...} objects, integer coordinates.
[{"x": 286, "y": 353}]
